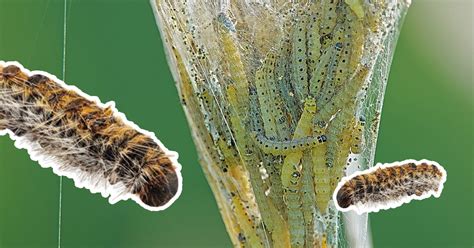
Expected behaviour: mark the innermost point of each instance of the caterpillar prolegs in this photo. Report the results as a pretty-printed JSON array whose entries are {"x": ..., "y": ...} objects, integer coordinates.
[
  {"x": 83, "y": 139},
  {"x": 386, "y": 186}
]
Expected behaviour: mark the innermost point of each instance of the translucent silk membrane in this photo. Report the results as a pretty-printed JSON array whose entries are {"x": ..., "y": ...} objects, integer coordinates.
[{"x": 283, "y": 99}]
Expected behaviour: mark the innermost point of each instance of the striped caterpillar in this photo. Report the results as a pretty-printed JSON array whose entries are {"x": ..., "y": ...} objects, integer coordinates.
[
  {"x": 386, "y": 186},
  {"x": 262, "y": 78},
  {"x": 276, "y": 147},
  {"x": 313, "y": 37},
  {"x": 236, "y": 68},
  {"x": 299, "y": 64},
  {"x": 85, "y": 140}
]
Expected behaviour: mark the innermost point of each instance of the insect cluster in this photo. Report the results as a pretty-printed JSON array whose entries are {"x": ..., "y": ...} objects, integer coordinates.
[
  {"x": 278, "y": 96},
  {"x": 83, "y": 139}
]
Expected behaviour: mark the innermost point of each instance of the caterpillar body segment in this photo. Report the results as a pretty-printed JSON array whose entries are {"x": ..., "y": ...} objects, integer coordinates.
[
  {"x": 85, "y": 140},
  {"x": 263, "y": 77},
  {"x": 276, "y": 105},
  {"x": 341, "y": 155},
  {"x": 340, "y": 35},
  {"x": 289, "y": 100},
  {"x": 236, "y": 69},
  {"x": 295, "y": 213},
  {"x": 389, "y": 185},
  {"x": 244, "y": 202},
  {"x": 299, "y": 59},
  {"x": 358, "y": 36},
  {"x": 291, "y": 164},
  {"x": 342, "y": 70},
  {"x": 247, "y": 222},
  {"x": 279, "y": 231},
  {"x": 276, "y": 189},
  {"x": 274, "y": 147},
  {"x": 340, "y": 122},
  {"x": 313, "y": 37},
  {"x": 329, "y": 88},
  {"x": 329, "y": 17},
  {"x": 281, "y": 119},
  {"x": 242, "y": 183},
  {"x": 320, "y": 73},
  {"x": 321, "y": 178},
  {"x": 240, "y": 134},
  {"x": 268, "y": 121},
  {"x": 207, "y": 103},
  {"x": 343, "y": 36},
  {"x": 332, "y": 230},
  {"x": 258, "y": 185},
  {"x": 357, "y": 136},
  {"x": 307, "y": 193}
]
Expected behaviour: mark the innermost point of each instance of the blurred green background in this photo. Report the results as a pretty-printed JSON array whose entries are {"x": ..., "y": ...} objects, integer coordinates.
[{"x": 114, "y": 51}]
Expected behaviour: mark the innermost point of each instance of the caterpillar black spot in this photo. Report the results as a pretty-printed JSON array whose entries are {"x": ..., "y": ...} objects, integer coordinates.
[
  {"x": 81, "y": 138},
  {"x": 386, "y": 186}
]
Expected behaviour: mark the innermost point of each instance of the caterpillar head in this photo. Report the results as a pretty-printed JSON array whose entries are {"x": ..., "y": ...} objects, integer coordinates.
[
  {"x": 10, "y": 71},
  {"x": 345, "y": 197},
  {"x": 160, "y": 183}
]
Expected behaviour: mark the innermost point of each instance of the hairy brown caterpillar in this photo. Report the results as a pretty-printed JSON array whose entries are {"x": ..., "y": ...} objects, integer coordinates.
[
  {"x": 386, "y": 186},
  {"x": 81, "y": 138}
]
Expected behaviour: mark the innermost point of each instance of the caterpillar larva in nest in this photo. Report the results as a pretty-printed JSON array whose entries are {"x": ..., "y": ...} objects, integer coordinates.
[
  {"x": 390, "y": 185},
  {"x": 85, "y": 140}
]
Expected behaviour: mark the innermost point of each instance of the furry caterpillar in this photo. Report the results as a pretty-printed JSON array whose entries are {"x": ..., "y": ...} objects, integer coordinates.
[
  {"x": 386, "y": 186},
  {"x": 85, "y": 140}
]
